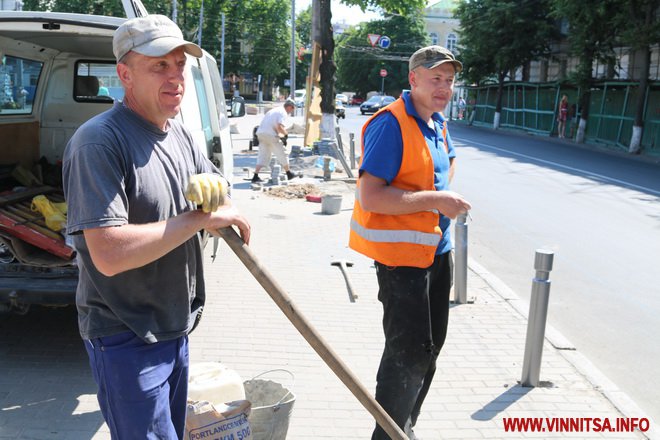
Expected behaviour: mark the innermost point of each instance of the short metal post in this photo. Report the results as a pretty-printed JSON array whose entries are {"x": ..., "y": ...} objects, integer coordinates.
[
  {"x": 538, "y": 315},
  {"x": 327, "y": 174},
  {"x": 461, "y": 254},
  {"x": 351, "y": 136}
]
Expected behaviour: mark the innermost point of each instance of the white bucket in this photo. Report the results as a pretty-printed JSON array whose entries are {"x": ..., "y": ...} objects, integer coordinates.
[
  {"x": 272, "y": 405},
  {"x": 214, "y": 382},
  {"x": 330, "y": 204}
]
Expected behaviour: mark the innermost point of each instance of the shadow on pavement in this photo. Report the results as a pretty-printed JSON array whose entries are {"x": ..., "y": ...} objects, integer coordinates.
[
  {"x": 501, "y": 402},
  {"x": 46, "y": 387}
]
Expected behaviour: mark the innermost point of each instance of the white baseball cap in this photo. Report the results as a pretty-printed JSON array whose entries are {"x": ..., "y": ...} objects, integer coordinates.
[{"x": 153, "y": 36}]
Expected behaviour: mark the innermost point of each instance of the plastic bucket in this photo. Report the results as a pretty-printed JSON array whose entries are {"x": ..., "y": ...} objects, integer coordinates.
[
  {"x": 214, "y": 382},
  {"x": 330, "y": 204},
  {"x": 272, "y": 405}
]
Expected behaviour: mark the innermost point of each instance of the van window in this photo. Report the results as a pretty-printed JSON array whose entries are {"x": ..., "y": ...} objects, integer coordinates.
[
  {"x": 97, "y": 81},
  {"x": 203, "y": 103},
  {"x": 19, "y": 78}
]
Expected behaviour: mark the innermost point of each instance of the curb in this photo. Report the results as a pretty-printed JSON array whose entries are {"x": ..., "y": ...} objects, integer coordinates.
[{"x": 619, "y": 399}]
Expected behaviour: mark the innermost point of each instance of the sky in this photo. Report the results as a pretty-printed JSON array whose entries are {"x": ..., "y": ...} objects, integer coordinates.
[{"x": 340, "y": 12}]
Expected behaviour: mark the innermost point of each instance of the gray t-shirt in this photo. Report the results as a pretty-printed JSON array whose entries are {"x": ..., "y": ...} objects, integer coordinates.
[{"x": 119, "y": 169}]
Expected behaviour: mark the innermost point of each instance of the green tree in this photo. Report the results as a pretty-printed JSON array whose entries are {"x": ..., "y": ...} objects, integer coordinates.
[
  {"x": 498, "y": 36},
  {"x": 326, "y": 41},
  {"x": 591, "y": 35},
  {"x": 639, "y": 29},
  {"x": 359, "y": 64}
]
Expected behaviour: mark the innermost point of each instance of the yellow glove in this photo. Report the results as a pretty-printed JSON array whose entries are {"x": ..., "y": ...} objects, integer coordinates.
[{"x": 208, "y": 190}]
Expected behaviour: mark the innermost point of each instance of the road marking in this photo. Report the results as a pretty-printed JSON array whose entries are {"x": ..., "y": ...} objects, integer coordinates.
[{"x": 586, "y": 173}]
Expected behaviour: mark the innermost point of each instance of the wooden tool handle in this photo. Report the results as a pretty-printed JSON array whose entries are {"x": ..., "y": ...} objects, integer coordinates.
[{"x": 310, "y": 334}]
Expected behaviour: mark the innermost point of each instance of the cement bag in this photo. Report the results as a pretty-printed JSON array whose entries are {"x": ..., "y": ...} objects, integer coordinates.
[{"x": 205, "y": 420}]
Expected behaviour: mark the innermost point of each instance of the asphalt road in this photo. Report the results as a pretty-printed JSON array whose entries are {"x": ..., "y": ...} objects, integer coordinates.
[{"x": 598, "y": 212}]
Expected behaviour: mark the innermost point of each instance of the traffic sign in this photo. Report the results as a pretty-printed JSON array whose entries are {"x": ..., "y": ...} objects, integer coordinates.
[
  {"x": 383, "y": 73},
  {"x": 373, "y": 39},
  {"x": 384, "y": 42}
]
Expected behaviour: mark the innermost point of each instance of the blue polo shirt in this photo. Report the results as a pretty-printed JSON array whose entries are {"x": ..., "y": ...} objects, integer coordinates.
[{"x": 383, "y": 151}]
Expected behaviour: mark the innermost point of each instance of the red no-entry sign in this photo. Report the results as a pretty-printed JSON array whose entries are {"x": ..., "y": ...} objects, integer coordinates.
[{"x": 383, "y": 73}]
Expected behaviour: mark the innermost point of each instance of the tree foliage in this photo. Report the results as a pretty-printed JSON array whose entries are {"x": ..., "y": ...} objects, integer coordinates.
[
  {"x": 639, "y": 22},
  {"x": 359, "y": 63},
  {"x": 399, "y": 7},
  {"x": 498, "y": 36},
  {"x": 591, "y": 36}
]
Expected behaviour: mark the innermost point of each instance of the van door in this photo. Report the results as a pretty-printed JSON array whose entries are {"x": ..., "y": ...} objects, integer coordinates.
[{"x": 134, "y": 8}]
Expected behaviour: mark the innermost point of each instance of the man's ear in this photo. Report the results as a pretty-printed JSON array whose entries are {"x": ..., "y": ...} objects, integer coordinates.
[
  {"x": 411, "y": 78},
  {"x": 124, "y": 73}
]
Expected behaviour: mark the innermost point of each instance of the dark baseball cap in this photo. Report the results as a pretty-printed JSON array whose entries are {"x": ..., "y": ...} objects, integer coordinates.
[{"x": 432, "y": 56}]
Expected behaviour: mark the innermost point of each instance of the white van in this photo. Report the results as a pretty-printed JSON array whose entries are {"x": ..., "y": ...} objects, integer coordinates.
[{"x": 57, "y": 70}]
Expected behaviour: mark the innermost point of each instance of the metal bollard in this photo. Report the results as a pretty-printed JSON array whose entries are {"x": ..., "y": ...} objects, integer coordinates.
[
  {"x": 327, "y": 174},
  {"x": 538, "y": 315},
  {"x": 461, "y": 254},
  {"x": 351, "y": 136}
]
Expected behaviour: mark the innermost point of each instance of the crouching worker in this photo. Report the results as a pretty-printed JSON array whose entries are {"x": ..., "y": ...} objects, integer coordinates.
[
  {"x": 401, "y": 220},
  {"x": 141, "y": 286}
]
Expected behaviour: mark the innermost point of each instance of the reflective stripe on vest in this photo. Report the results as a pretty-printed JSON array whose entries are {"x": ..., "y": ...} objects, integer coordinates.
[
  {"x": 408, "y": 239},
  {"x": 395, "y": 236}
]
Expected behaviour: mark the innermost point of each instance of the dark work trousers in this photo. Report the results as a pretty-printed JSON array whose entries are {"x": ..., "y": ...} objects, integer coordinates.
[{"x": 415, "y": 316}]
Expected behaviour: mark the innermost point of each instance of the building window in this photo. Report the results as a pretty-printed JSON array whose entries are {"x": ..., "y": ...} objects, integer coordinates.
[
  {"x": 434, "y": 38},
  {"x": 451, "y": 42}
]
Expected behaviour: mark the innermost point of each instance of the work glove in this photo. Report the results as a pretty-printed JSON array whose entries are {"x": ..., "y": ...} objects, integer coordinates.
[{"x": 207, "y": 190}]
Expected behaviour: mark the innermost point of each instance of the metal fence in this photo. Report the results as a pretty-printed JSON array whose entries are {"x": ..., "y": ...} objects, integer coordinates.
[{"x": 533, "y": 107}]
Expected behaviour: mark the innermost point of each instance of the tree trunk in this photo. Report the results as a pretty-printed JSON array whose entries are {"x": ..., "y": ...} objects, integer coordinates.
[
  {"x": 498, "y": 100},
  {"x": 638, "y": 124},
  {"x": 584, "y": 81},
  {"x": 327, "y": 68}
]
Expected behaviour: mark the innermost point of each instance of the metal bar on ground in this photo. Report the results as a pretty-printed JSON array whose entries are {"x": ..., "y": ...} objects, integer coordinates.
[
  {"x": 538, "y": 315},
  {"x": 341, "y": 157},
  {"x": 351, "y": 136}
]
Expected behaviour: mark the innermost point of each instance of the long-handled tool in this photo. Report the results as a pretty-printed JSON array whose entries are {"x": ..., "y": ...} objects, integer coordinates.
[
  {"x": 343, "y": 264},
  {"x": 310, "y": 334}
]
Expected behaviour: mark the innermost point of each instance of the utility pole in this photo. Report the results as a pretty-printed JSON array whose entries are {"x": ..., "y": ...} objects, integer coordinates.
[
  {"x": 222, "y": 51},
  {"x": 201, "y": 20},
  {"x": 174, "y": 11},
  {"x": 293, "y": 48}
]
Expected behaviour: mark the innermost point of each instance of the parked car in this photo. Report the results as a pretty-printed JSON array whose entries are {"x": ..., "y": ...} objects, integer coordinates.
[
  {"x": 356, "y": 100},
  {"x": 299, "y": 97},
  {"x": 340, "y": 110},
  {"x": 65, "y": 63},
  {"x": 341, "y": 97},
  {"x": 375, "y": 103}
]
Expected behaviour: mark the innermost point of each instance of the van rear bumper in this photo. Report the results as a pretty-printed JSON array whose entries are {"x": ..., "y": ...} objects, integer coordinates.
[{"x": 45, "y": 291}]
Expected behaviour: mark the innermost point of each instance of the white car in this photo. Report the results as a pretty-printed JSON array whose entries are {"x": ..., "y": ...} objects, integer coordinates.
[
  {"x": 342, "y": 98},
  {"x": 299, "y": 97}
]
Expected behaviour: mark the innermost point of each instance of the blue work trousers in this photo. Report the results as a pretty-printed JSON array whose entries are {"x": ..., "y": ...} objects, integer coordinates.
[
  {"x": 142, "y": 387},
  {"x": 415, "y": 316}
]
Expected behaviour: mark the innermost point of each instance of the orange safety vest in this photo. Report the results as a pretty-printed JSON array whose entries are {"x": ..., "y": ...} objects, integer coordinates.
[{"x": 408, "y": 239}]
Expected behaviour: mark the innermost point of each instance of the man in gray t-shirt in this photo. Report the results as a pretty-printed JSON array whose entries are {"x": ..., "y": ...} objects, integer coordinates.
[{"x": 141, "y": 286}]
